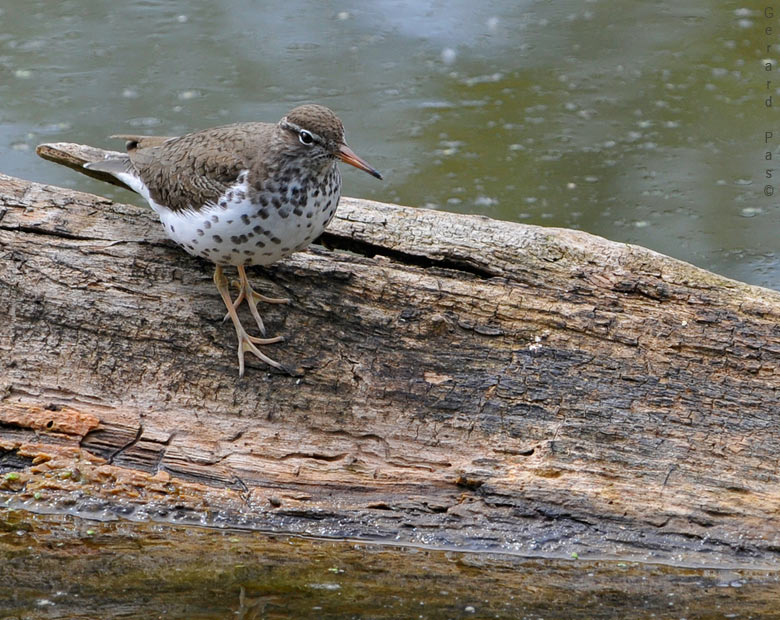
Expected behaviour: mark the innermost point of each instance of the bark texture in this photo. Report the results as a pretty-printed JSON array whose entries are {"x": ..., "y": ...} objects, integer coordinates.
[{"x": 464, "y": 382}]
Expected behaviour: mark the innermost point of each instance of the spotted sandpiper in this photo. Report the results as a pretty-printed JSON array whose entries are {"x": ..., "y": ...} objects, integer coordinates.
[{"x": 242, "y": 194}]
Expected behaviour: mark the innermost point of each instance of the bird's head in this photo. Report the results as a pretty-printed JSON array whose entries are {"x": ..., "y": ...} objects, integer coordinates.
[{"x": 316, "y": 133}]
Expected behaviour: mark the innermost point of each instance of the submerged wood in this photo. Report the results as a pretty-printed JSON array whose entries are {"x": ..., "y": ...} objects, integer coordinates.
[{"x": 465, "y": 382}]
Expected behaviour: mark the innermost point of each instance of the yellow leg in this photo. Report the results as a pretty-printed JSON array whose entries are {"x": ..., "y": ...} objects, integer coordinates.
[
  {"x": 245, "y": 341},
  {"x": 252, "y": 297}
]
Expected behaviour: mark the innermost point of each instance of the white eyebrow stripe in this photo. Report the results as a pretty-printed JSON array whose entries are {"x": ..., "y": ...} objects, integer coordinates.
[{"x": 285, "y": 124}]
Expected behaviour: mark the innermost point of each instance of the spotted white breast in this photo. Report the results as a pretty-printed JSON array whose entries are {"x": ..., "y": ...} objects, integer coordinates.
[{"x": 248, "y": 226}]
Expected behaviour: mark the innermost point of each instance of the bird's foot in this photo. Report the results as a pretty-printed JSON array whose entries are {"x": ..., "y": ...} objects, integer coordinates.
[
  {"x": 252, "y": 297},
  {"x": 246, "y": 344}
]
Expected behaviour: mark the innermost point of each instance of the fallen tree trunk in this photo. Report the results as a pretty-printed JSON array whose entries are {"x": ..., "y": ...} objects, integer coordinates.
[{"x": 465, "y": 382}]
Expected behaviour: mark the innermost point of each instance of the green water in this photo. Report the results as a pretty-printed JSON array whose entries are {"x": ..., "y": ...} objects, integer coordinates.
[
  {"x": 640, "y": 121},
  {"x": 66, "y": 567}
]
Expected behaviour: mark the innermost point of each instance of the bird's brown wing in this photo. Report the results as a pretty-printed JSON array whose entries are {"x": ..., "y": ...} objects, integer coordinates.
[{"x": 198, "y": 168}]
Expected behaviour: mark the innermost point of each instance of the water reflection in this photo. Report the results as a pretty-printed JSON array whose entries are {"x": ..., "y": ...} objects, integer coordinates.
[{"x": 66, "y": 567}]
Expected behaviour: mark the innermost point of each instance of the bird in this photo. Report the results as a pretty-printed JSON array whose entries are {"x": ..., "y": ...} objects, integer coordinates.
[{"x": 242, "y": 194}]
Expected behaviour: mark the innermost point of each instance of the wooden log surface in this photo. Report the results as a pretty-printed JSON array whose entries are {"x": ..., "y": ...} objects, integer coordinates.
[{"x": 464, "y": 383}]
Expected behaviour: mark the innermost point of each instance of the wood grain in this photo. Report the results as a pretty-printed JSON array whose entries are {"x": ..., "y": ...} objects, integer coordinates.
[{"x": 467, "y": 383}]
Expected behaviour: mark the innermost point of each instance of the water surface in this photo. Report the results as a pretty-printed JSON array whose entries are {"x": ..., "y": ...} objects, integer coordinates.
[
  {"x": 643, "y": 122},
  {"x": 67, "y": 567}
]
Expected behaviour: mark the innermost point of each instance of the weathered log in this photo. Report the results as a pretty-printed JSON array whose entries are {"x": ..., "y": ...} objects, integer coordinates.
[{"x": 466, "y": 382}]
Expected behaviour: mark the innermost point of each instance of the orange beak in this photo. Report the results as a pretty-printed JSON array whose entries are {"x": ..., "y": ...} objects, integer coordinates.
[{"x": 348, "y": 156}]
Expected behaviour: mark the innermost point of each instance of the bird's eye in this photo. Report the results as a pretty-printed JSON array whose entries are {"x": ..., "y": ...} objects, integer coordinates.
[{"x": 305, "y": 137}]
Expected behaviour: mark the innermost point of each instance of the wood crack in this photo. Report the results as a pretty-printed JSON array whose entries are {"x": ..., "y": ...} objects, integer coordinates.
[
  {"x": 52, "y": 232},
  {"x": 369, "y": 250}
]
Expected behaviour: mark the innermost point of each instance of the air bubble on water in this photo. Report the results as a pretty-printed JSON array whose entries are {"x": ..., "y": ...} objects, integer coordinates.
[
  {"x": 324, "y": 586},
  {"x": 448, "y": 55},
  {"x": 751, "y": 211},
  {"x": 186, "y": 95},
  {"x": 144, "y": 121},
  {"x": 485, "y": 201}
]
